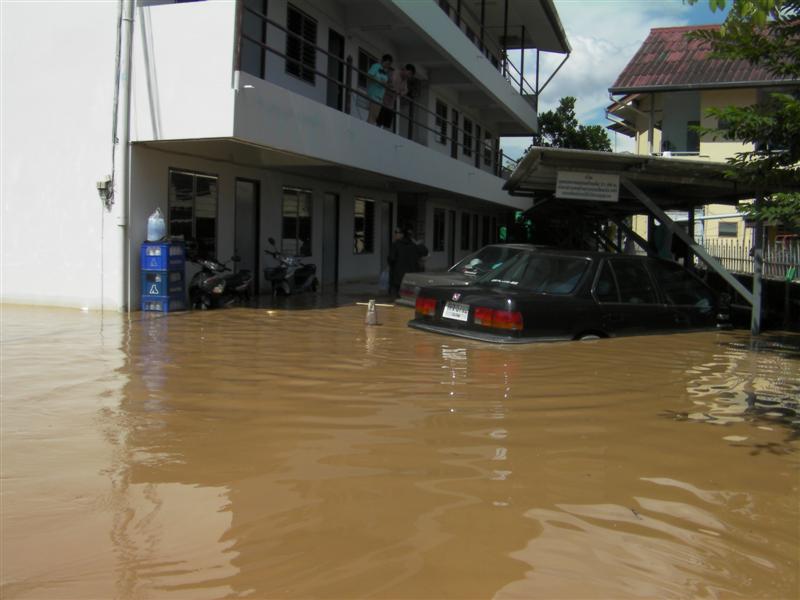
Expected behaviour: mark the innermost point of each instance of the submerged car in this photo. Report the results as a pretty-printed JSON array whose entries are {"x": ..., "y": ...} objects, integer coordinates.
[
  {"x": 556, "y": 295},
  {"x": 464, "y": 272}
]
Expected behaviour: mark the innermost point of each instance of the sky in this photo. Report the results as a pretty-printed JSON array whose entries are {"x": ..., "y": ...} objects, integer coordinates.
[{"x": 604, "y": 35}]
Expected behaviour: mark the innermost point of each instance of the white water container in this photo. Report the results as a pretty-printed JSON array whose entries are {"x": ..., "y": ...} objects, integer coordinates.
[{"x": 156, "y": 227}]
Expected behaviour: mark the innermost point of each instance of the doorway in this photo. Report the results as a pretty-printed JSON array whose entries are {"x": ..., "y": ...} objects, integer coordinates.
[
  {"x": 387, "y": 227},
  {"x": 335, "y": 98},
  {"x": 246, "y": 227},
  {"x": 451, "y": 238},
  {"x": 330, "y": 241}
]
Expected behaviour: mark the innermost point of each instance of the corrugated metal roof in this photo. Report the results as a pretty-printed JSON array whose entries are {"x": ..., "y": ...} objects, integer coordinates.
[{"x": 668, "y": 60}]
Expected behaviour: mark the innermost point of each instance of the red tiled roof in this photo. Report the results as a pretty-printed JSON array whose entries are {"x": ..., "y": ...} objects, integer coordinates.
[{"x": 668, "y": 60}]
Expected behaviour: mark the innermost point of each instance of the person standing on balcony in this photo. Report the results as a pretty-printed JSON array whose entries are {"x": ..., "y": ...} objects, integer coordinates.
[
  {"x": 377, "y": 77},
  {"x": 398, "y": 86}
]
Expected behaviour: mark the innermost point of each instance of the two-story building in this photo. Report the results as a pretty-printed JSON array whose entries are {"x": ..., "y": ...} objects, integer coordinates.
[
  {"x": 248, "y": 120},
  {"x": 666, "y": 89}
]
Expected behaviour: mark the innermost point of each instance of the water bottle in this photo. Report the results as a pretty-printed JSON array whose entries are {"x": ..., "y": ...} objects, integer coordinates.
[{"x": 156, "y": 227}]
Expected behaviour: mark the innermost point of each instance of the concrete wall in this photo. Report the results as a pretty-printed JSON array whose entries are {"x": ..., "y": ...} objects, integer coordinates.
[
  {"x": 59, "y": 245},
  {"x": 183, "y": 71}
]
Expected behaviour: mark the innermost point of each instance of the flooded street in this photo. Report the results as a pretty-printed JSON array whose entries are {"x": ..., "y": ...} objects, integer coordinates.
[{"x": 296, "y": 454}]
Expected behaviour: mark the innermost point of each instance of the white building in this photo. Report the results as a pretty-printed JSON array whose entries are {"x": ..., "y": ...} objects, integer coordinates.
[{"x": 248, "y": 121}]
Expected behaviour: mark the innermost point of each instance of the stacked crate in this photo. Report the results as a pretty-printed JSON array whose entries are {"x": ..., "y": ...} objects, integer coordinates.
[{"x": 163, "y": 278}]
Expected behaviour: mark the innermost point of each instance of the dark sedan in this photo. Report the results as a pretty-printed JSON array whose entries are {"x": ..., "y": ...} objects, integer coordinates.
[{"x": 571, "y": 295}]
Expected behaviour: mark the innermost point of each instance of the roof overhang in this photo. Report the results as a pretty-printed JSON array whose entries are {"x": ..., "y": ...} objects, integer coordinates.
[
  {"x": 685, "y": 87},
  {"x": 543, "y": 28},
  {"x": 673, "y": 183}
]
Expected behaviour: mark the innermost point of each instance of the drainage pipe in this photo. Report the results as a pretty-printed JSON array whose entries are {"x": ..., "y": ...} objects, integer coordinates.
[{"x": 124, "y": 123}]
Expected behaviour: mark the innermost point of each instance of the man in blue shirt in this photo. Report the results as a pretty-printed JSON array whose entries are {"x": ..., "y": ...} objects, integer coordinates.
[{"x": 377, "y": 76}]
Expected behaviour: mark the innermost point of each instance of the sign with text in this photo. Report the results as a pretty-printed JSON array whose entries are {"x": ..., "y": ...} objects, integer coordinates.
[{"x": 598, "y": 187}]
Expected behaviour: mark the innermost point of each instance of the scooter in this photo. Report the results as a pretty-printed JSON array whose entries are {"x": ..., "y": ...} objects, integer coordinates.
[
  {"x": 215, "y": 285},
  {"x": 292, "y": 275}
]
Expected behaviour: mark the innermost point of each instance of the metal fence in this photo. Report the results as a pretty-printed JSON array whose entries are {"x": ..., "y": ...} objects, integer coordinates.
[{"x": 737, "y": 257}]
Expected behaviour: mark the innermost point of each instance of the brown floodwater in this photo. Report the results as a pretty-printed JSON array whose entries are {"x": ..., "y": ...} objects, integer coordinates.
[{"x": 261, "y": 453}]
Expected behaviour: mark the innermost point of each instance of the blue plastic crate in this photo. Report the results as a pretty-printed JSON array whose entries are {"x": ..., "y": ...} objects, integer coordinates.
[
  {"x": 163, "y": 303},
  {"x": 163, "y": 283},
  {"x": 163, "y": 256}
]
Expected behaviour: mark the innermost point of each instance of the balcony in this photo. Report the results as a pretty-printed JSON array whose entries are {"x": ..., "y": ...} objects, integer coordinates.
[{"x": 206, "y": 106}]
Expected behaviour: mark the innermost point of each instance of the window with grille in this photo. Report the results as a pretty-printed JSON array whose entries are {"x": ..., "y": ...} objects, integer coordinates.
[
  {"x": 488, "y": 148},
  {"x": 438, "y": 229},
  {"x": 467, "y": 137},
  {"x": 296, "y": 222},
  {"x": 364, "y": 226},
  {"x": 301, "y": 45},
  {"x": 441, "y": 121},
  {"x": 192, "y": 207}
]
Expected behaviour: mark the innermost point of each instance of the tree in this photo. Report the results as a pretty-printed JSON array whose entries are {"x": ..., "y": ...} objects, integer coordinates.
[
  {"x": 560, "y": 129},
  {"x": 766, "y": 33}
]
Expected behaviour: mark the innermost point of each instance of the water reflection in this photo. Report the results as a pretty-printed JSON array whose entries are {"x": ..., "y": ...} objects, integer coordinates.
[{"x": 265, "y": 453}]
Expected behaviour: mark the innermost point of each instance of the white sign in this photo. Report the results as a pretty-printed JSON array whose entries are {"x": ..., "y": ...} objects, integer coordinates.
[{"x": 598, "y": 187}]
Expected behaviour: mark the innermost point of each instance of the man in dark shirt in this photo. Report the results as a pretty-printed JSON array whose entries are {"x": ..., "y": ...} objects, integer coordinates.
[{"x": 404, "y": 257}]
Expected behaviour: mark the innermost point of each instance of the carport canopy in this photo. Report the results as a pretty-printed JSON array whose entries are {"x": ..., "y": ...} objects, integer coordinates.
[{"x": 613, "y": 186}]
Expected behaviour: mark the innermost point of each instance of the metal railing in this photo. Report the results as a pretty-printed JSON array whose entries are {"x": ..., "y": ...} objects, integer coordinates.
[
  {"x": 737, "y": 257},
  {"x": 494, "y": 51},
  {"x": 450, "y": 133}
]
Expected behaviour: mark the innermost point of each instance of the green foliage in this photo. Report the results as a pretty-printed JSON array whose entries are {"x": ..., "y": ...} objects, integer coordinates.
[
  {"x": 765, "y": 33},
  {"x": 560, "y": 129}
]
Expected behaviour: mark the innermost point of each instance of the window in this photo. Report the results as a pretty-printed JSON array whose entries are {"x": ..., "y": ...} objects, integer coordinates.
[
  {"x": 635, "y": 285},
  {"x": 728, "y": 229},
  {"x": 193, "y": 210},
  {"x": 465, "y": 231},
  {"x": 301, "y": 45},
  {"x": 467, "y": 137},
  {"x": 681, "y": 288},
  {"x": 441, "y": 121},
  {"x": 488, "y": 148},
  {"x": 254, "y": 33},
  {"x": 296, "y": 222},
  {"x": 605, "y": 290},
  {"x": 364, "y": 226},
  {"x": 438, "y": 229},
  {"x": 365, "y": 61}
]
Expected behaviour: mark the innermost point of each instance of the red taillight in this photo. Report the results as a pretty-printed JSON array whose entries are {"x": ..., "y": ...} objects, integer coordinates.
[
  {"x": 498, "y": 319},
  {"x": 426, "y": 306},
  {"x": 482, "y": 316},
  {"x": 507, "y": 319}
]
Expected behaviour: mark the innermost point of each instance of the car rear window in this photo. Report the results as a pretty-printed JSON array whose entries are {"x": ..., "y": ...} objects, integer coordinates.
[
  {"x": 485, "y": 260},
  {"x": 540, "y": 273}
]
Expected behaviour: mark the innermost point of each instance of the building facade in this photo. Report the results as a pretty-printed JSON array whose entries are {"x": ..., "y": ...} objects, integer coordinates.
[
  {"x": 665, "y": 91},
  {"x": 248, "y": 120}
]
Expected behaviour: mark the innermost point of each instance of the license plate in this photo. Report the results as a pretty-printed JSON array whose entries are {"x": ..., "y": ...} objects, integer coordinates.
[{"x": 456, "y": 311}]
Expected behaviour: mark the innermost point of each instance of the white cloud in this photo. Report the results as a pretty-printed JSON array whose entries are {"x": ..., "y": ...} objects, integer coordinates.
[{"x": 604, "y": 35}]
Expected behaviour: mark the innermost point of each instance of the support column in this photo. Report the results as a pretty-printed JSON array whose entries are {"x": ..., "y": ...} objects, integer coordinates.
[
  {"x": 758, "y": 270},
  {"x": 505, "y": 39},
  {"x": 522, "y": 61}
]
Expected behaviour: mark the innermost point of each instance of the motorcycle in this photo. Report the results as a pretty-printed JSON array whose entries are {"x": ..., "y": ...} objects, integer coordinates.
[
  {"x": 292, "y": 275},
  {"x": 215, "y": 285}
]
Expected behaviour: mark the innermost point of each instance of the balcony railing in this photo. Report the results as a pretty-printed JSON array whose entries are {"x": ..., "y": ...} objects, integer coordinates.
[
  {"x": 471, "y": 25},
  {"x": 411, "y": 117}
]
